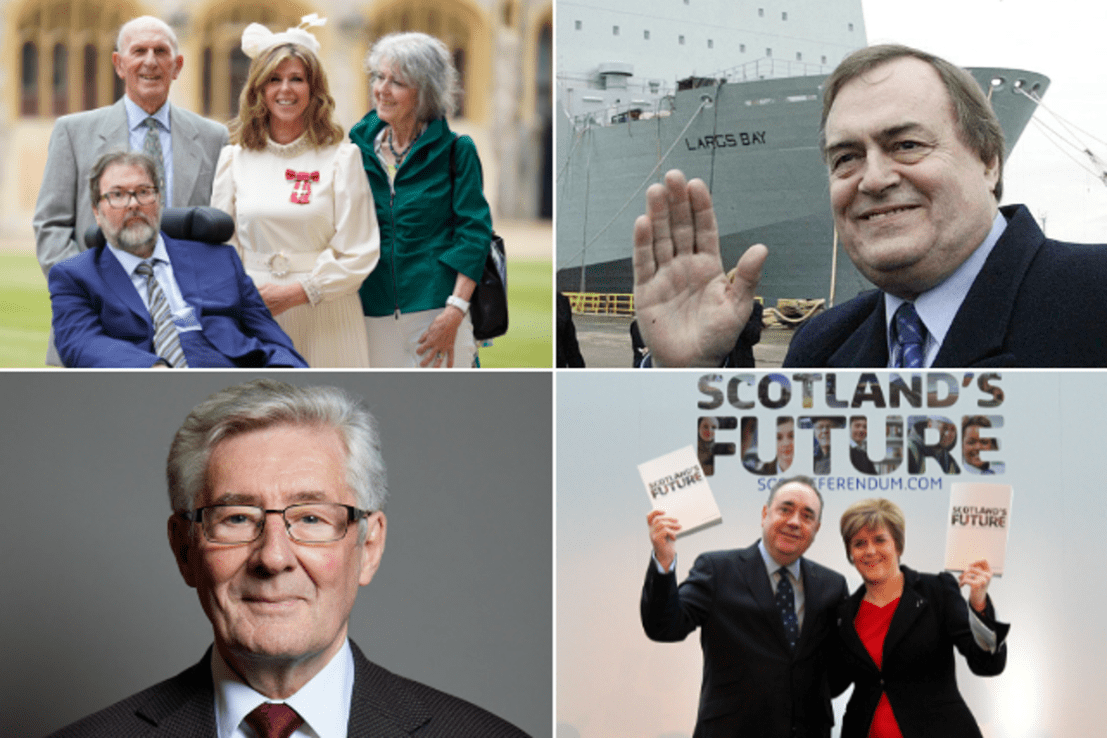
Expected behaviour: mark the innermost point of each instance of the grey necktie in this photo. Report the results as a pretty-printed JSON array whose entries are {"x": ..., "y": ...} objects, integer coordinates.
[
  {"x": 151, "y": 146},
  {"x": 786, "y": 602},
  {"x": 167, "y": 344}
]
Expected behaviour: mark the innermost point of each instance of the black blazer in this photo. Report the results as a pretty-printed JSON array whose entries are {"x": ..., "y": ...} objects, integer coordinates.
[
  {"x": 383, "y": 705},
  {"x": 859, "y": 459},
  {"x": 1010, "y": 316},
  {"x": 931, "y": 619},
  {"x": 753, "y": 685}
]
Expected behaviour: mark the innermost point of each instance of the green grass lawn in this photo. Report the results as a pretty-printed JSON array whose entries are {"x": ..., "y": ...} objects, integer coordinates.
[
  {"x": 24, "y": 312},
  {"x": 25, "y": 315},
  {"x": 529, "y": 338}
]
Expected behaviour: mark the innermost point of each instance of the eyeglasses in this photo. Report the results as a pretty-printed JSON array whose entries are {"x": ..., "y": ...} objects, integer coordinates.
[
  {"x": 308, "y": 522},
  {"x": 121, "y": 198}
]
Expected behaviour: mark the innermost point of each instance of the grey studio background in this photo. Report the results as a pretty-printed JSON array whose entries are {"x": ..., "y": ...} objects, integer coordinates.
[{"x": 95, "y": 610}]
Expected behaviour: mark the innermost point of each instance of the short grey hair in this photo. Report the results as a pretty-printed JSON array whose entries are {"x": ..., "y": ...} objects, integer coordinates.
[
  {"x": 425, "y": 63},
  {"x": 145, "y": 22},
  {"x": 125, "y": 159},
  {"x": 264, "y": 403},
  {"x": 799, "y": 479}
]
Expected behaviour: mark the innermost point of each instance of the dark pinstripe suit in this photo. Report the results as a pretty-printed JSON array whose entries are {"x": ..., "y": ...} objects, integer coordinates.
[{"x": 383, "y": 705}]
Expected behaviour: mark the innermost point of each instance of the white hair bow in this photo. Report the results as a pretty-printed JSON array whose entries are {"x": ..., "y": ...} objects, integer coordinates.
[{"x": 257, "y": 38}]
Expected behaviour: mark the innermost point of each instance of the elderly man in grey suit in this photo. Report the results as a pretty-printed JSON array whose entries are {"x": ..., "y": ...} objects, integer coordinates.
[
  {"x": 147, "y": 59},
  {"x": 277, "y": 493}
]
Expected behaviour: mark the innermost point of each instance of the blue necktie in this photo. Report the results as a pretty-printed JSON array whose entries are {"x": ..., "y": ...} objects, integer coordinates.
[
  {"x": 910, "y": 338},
  {"x": 786, "y": 603}
]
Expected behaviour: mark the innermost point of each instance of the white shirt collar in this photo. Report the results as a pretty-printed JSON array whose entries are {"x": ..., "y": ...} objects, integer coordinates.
[
  {"x": 136, "y": 115},
  {"x": 129, "y": 261},
  {"x": 772, "y": 567},
  {"x": 938, "y": 306},
  {"x": 323, "y": 703}
]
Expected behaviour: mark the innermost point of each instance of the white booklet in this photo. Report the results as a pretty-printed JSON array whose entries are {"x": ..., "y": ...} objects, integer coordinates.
[
  {"x": 676, "y": 484},
  {"x": 979, "y": 518}
]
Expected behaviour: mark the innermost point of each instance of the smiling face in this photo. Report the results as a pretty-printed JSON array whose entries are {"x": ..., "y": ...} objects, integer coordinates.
[
  {"x": 394, "y": 97},
  {"x": 275, "y": 600},
  {"x": 133, "y": 227},
  {"x": 707, "y": 429},
  {"x": 785, "y": 445},
  {"x": 911, "y": 201},
  {"x": 873, "y": 553},
  {"x": 859, "y": 430},
  {"x": 147, "y": 67},
  {"x": 973, "y": 445},
  {"x": 287, "y": 94},
  {"x": 790, "y": 521}
]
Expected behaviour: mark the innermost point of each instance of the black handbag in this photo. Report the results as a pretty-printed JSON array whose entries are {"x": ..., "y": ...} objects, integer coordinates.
[{"x": 488, "y": 304}]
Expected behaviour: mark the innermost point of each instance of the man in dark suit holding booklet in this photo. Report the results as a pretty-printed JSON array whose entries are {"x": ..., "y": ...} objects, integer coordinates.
[{"x": 765, "y": 614}]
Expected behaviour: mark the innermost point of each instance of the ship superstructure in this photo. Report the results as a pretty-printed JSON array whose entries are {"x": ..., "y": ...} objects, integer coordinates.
[{"x": 726, "y": 91}]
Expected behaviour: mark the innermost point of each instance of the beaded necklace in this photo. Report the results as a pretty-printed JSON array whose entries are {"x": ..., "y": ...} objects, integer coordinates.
[{"x": 399, "y": 156}]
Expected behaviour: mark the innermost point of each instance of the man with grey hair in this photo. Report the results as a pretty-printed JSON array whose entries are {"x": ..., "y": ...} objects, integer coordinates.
[
  {"x": 277, "y": 495},
  {"x": 145, "y": 299},
  {"x": 915, "y": 158},
  {"x": 184, "y": 145}
]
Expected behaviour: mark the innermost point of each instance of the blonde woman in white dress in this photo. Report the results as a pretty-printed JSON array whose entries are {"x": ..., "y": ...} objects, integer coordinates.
[{"x": 306, "y": 227}]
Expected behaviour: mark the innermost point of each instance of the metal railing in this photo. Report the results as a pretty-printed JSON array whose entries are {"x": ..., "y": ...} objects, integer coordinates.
[
  {"x": 771, "y": 68},
  {"x": 599, "y": 303}
]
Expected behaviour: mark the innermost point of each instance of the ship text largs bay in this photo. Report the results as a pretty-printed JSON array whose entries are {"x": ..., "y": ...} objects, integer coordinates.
[{"x": 726, "y": 140}]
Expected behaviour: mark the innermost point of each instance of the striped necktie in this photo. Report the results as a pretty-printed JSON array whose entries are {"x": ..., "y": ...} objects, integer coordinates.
[
  {"x": 274, "y": 720},
  {"x": 151, "y": 146},
  {"x": 167, "y": 344},
  {"x": 909, "y": 351}
]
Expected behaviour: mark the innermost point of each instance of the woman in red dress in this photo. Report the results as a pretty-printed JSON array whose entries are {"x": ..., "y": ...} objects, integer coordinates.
[{"x": 898, "y": 633}]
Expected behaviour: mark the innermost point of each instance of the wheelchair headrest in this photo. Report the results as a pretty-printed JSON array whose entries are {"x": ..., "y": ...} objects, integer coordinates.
[{"x": 199, "y": 223}]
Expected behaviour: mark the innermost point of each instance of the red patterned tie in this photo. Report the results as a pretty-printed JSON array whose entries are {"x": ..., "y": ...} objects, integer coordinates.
[{"x": 274, "y": 720}]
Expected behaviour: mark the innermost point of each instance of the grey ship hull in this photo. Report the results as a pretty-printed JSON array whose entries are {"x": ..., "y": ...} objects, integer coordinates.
[{"x": 756, "y": 146}]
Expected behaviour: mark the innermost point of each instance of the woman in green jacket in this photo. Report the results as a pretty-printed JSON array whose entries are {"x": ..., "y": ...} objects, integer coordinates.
[{"x": 435, "y": 224}]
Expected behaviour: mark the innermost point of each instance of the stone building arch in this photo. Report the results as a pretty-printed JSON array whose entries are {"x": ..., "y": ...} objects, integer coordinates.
[
  {"x": 221, "y": 67},
  {"x": 61, "y": 53},
  {"x": 538, "y": 69},
  {"x": 462, "y": 26}
]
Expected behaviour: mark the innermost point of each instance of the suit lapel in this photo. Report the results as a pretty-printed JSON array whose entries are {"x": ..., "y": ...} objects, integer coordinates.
[
  {"x": 868, "y": 345},
  {"x": 185, "y": 706},
  {"x": 121, "y": 285},
  {"x": 185, "y": 272},
  {"x": 848, "y": 633},
  {"x": 112, "y": 131},
  {"x": 814, "y": 595},
  {"x": 976, "y": 336},
  {"x": 753, "y": 571},
  {"x": 910, "y": 607},
  {"x": 186, "y": 164},
  {"x": 382, "y": 706}
]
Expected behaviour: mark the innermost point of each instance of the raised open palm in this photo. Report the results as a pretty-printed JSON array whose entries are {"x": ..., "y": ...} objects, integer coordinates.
[{"x": 689, "y": 312}]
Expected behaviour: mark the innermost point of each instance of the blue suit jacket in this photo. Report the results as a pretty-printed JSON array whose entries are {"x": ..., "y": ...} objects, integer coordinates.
[
  {"x": 100, "y": 321},
  {"x": 1036, "y": 303}
]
